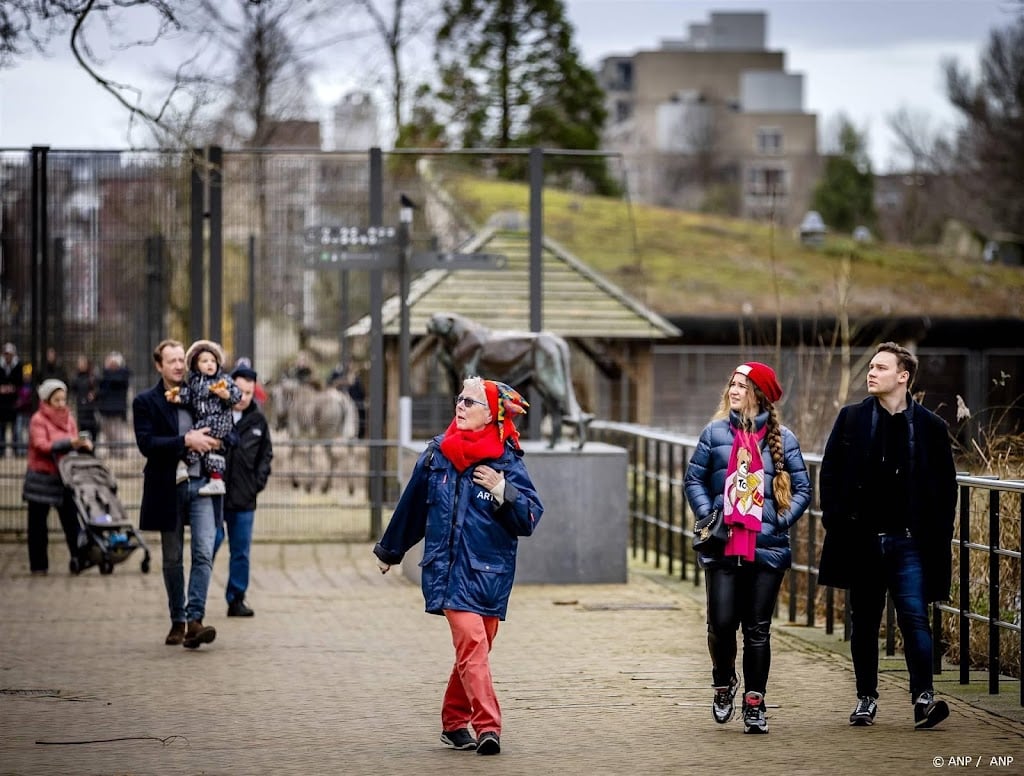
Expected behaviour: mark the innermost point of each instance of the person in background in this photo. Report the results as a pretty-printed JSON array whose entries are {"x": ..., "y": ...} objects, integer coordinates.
[
  {"x": 52, "y": 433},
  {"x": 83, "y": 388},
  {"x": 302, "y": 370},
  {"x": 346, "y": 377},
  {"x": 112, "y": 402},
  {"x": 24, "y": 406},
  {"x": 749, "y": 466},
  {"x": 248, "y": 469},
  {"x": 52, "y": 368},
  {"x": 469, "y": 498},
  {"x": 888, "y": 503},
  {"x": 259, "y": 393},
  {"x": 163, "y": 433},
  {"x": 10, "y": 382}
]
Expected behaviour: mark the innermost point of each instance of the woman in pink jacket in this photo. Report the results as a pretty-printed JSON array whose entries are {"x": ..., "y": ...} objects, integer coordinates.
[{"x": 52, "y": 432}]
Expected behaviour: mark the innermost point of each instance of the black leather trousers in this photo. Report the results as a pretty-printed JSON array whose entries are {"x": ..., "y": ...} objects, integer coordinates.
[{"x": 742, "y": 595}]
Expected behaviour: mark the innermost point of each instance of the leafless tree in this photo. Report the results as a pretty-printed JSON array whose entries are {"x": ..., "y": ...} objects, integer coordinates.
[{"x": 407, "y": 20}]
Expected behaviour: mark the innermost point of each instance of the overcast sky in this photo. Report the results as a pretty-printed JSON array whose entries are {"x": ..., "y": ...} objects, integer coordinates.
[{"x": 866, "y": 58}]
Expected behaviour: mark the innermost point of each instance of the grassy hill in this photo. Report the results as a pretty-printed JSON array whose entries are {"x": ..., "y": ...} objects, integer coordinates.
[{"x": 682, "y": 263}]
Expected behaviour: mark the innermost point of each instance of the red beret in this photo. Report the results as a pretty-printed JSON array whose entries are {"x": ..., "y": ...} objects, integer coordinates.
[{"x": 763, "y": 376}]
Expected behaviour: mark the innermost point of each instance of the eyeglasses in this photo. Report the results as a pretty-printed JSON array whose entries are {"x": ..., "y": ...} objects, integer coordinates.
[{"x": 467, "y": 402}]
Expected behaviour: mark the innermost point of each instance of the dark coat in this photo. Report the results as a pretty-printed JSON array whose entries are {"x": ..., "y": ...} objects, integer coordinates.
[
  {"x": 704, "y": 484},
  {"x": 847, "y": 495},
  {"x": 112, "y": 397},
  {"x": 470, "y": 540},
  {"x": 248, "y": 462},
  {"x": 158, "y": 438}
]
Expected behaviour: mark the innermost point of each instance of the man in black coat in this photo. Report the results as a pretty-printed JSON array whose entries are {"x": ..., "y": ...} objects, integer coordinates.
[
  {"x": 248, "y": 469},
  {"x": 163, "y": 432},
  {"x": 888, "y": 501}
]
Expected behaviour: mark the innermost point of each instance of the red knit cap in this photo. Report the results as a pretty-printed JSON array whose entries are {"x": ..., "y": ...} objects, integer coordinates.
[
  {"x": 763, "y": 376},
  {"x": 505, "y": 403}
]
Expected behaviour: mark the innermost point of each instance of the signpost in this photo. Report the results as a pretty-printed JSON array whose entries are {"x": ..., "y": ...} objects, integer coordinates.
[{"x": 388, "y": 248}]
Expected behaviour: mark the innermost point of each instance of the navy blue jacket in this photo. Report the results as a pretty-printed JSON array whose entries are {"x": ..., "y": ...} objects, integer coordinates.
[
  {"x": 470, "y": 540},
  {"x": 705, "y": 489}
]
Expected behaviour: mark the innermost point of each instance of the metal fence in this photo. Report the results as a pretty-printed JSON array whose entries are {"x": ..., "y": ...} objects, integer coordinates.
[{"x": 986, "y": 554}]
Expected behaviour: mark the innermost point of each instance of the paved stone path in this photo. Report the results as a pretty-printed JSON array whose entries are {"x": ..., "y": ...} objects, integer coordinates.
[{"x": 341, "y": 672}]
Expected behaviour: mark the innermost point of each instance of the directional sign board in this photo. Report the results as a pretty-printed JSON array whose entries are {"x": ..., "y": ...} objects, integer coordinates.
[
  {"x": 355, "y": 237},
  {"x": 340, "y": 258},
  {"x": 442, "y": 260}
]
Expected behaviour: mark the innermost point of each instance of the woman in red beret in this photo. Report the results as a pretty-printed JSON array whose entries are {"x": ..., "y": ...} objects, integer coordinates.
[{"x": 748, "y": 466}]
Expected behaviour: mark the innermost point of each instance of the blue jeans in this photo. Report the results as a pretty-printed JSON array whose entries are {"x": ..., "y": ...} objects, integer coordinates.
[
  {"x": 201, "y": 511},
  {"x": 239, "y": 530},
  {"x": 897, "y": 568}
]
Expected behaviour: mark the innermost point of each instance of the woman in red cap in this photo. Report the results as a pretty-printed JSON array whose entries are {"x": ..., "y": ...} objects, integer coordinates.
[
  {"x": 748, "y": 466},
  {"x": 469, "y": 498}
]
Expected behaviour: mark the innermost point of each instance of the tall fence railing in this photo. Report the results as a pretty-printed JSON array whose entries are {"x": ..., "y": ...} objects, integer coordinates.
[{"x": 986, "y": 569}]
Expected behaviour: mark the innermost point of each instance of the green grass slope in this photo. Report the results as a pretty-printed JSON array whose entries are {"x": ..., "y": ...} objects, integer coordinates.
[{"x": 682, "y": 263}]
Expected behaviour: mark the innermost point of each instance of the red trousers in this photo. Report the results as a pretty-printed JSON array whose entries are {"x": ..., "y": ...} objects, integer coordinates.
[{"x": 470, "y": 697}]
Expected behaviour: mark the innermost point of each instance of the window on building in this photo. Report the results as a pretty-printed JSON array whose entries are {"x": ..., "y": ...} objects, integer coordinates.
[
  {"x": 769, "y": 140},
  {"x": 766, "y": 180},
  {"x": 623, "y": 110},
  {"x": 624, "y": 76}
]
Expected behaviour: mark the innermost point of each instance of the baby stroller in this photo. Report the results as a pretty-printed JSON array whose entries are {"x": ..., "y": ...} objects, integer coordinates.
[{"x": 106, "y": 536}]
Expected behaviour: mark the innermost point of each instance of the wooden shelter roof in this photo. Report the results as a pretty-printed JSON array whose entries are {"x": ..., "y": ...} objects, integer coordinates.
[{"x": 577, "y": 301}]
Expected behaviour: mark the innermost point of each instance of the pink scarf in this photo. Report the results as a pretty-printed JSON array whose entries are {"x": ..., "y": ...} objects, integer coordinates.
[{"x": 744, "y": 493}]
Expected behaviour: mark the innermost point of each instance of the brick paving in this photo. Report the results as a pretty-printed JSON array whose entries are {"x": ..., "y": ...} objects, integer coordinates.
[{"x": 341, "y": 672}]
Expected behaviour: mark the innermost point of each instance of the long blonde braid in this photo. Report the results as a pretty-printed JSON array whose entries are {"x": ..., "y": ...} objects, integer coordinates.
[{"x": 781, "y": 482}]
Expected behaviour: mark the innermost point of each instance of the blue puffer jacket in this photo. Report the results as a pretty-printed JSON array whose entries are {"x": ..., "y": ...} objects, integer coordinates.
[
  {"x": 469, "y": 552},
  {"x": 705, "y": 488}
]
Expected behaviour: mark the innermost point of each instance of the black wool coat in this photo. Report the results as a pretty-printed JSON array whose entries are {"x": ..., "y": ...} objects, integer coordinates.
[
  {"x": 158, "y": 438},
  {"x": 847, "y": 494}
]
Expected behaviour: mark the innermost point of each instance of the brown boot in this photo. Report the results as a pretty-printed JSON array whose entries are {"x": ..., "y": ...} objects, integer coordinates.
[
  {"x": 197, "y": 634},
  {"x": 176, "y": 635}
]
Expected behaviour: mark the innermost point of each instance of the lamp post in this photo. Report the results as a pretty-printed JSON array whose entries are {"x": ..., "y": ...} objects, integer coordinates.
[{"x": 405, "y": 214}]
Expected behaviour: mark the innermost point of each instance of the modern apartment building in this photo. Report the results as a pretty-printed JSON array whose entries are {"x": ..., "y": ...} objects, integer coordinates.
[{"x": 713, "y": 121}]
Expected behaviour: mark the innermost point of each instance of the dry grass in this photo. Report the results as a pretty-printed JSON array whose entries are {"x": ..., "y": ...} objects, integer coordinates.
[{"x": 687, "y": 263}]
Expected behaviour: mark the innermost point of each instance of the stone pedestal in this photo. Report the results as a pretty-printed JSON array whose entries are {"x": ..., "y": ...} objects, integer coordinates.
[{"x": 583, "y": 535}]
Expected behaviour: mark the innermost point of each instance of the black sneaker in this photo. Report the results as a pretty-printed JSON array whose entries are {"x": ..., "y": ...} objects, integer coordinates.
[
  {"x": 754, "y": 719},
  {"x": 488, "y": 743},
  {"x": 864, "y": 713},
  {"x": 722, "y": 705},
  {"x": 929, "y": 712},
  {"x": 237, "y": 608},
  {"x": 458, "y": 739}
]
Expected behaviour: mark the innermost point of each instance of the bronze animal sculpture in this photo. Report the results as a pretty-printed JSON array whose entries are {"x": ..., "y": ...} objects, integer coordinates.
[{"x": 519, "y": 358}]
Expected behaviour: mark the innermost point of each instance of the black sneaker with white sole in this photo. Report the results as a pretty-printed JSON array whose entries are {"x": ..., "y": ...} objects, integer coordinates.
[
  {"x": 864, "y": 712},
  {"x": 754, "y": 717},
  {"x": 458, "y": 739},
  {"x": 722, "y": 705},
  {"x": 929, "y": 712},
  {"x": 489, "y": 743}
]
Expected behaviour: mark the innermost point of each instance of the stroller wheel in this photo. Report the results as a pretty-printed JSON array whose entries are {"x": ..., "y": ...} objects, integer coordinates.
[
  {"x": 145, "y": 566},
  {"x": 74, "y": 566},
  {"x": 106, "y": 567}
]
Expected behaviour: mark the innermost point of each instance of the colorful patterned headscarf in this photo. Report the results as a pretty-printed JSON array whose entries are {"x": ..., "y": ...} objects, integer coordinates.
[{"x": 505, "y": 403}]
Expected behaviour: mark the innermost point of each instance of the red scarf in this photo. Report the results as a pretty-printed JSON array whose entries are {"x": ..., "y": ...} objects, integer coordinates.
[{"x": 466, "y": 448}]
